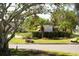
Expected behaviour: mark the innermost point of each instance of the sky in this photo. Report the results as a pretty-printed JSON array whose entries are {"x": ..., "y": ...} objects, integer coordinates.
[
  {"x": 48, "y": 16},
  {"x": 45, "y": 16}
]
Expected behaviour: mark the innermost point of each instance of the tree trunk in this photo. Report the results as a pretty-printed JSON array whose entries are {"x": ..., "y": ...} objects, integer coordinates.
[
  {"x": 42, "y": 34},
  {"x": 4, "y": 49},
  {"x": 42, "y": 31}
]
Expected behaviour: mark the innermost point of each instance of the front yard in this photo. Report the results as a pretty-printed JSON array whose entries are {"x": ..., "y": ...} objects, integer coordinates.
[
  {"x": 19, "y": 40},
  {"x": 41, "y": 41},
  {"x": 22, "y": 41}
]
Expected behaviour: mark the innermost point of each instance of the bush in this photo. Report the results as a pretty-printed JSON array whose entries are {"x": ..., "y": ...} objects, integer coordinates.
[{"x": 51, "y": 34}]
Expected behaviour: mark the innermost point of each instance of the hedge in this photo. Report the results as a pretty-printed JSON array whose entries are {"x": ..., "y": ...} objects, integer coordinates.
[{"x": 51, "y": 34}]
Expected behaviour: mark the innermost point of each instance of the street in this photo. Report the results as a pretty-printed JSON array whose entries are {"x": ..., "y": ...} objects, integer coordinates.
[{"x": 71, "y": 48}]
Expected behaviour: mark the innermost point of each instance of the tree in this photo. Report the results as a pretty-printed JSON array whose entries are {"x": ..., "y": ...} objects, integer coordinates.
[
  {"x": 10, "y": 20},
  {"x": 65, "y": 26},
  {"x": 76, "y": 6},
  {"x": 32, "y": 22},
  {"x": 77, "y": 11},
  {"x": 64, "y": 19}
]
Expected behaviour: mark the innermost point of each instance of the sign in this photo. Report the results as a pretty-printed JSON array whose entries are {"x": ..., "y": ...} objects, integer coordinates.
[{"x": 48, "y": 28}]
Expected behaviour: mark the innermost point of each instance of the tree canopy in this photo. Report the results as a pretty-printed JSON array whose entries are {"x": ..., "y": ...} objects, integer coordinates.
[
  {"x": 32, "y": 22},
  {"x": 64, "y": 19}
]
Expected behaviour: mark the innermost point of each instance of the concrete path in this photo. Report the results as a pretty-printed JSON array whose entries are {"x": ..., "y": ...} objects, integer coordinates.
[{"x": 72, "y": 48}]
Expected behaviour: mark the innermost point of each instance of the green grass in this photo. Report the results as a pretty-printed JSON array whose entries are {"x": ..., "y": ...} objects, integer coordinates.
[
  {"x": 51, "y": 41},
  {"x": 44, "y": 40},
  {"x": 60, "y": 53},
  {"x": 22, "y": 41},
  {"x": 24, "y": 34},
  {"x": 17, "y": 41},
  {"x": 22, "y": 52}
]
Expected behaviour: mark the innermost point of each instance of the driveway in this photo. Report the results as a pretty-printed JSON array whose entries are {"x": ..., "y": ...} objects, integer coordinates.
[{"x": 72, "y": 48}]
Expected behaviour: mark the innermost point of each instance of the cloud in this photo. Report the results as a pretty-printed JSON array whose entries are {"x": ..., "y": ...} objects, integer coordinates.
[{"x": 45, "y": 16}]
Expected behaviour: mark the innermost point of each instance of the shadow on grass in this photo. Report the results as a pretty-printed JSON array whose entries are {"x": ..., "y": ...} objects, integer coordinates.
[{"x": 22, "y": 52}]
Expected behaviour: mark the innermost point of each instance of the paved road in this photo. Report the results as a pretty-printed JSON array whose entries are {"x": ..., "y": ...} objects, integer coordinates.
[{"x": 72, "y": 48}]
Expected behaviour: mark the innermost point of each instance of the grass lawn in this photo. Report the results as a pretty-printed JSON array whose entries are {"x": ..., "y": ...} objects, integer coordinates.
[
  {"x": 60, "y": 53},
  {"x": 52, "y": 41},
  {"x": 21, "y": 41},
  {"x": 44, "y": 40},
  {"x": 22, "y": 52},
  {"x": 24, "y": 34},
  {"x": 17, "y": 41}
]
